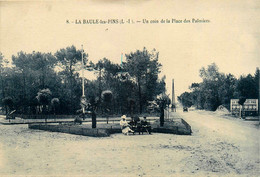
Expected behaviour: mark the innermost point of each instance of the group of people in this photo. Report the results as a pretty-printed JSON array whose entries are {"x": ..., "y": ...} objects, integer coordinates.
[{"x": 134, "y": 125}]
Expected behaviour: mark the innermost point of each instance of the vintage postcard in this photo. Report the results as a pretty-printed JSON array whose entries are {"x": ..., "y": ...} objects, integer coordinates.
[{"x": 129, "y": 88}]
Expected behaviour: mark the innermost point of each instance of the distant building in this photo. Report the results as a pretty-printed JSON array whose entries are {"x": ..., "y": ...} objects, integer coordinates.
[{"x": 250, "y": 107}]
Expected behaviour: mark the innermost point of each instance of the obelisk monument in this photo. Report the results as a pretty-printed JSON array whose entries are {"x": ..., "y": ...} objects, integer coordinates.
[{"x": 173, "y": 98}]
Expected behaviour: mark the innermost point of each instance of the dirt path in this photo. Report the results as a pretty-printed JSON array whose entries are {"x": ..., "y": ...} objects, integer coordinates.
[
  {"x": 224, "y": 144},
  {"x": 218, "y": 147}
]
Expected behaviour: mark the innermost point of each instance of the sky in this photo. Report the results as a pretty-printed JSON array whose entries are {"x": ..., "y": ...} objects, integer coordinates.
[{"x": 230, "y": 38}]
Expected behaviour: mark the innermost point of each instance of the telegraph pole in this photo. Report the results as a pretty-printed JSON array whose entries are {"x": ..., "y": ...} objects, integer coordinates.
[
  {"x": 83, "y": 99},
  {"x": 121, "y": 67}
]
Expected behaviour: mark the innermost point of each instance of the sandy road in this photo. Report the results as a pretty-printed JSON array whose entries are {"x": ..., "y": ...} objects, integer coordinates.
[
  {"x": 224, "y": 144},
  {"x": 218, "y": 147}
]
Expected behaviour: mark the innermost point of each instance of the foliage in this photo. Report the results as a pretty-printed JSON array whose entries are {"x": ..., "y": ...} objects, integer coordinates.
[
  {"x": 35, "y": 78},
  {"x": 69, "y": 61},
  {"x": 8, "y": 103},
  {"x": 242, "y": 100},
  {"x": 107, "y": 96},
  {"x": 143, "y": 68},
  {"x": 186, "y": 99},
  {"x": 246, "y": 86},
  {"x": 218, "y": 88},
  {"x": 55, "y": 102},
  {"x": 31, "y": 73},
  {"x": 43, "y": 97},
  {"x": 50, "y": 83},
  {"x": 163, "y": 100},
  {"x": 133, "y": 84}
]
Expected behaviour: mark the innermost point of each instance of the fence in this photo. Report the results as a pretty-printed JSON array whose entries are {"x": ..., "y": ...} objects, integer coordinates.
[{"x": 24, "y": 116}]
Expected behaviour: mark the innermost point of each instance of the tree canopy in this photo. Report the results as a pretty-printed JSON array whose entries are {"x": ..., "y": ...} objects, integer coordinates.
[
  {"x": 44, "y": 83},
  {"x": 218, "y": 88}
]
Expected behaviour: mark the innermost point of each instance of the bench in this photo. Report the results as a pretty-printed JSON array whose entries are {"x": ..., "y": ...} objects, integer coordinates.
[{"x": 141, "y": 127}]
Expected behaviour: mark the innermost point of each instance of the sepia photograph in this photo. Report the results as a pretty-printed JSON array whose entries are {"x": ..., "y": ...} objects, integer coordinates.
[{"x": 137, "y": 88}]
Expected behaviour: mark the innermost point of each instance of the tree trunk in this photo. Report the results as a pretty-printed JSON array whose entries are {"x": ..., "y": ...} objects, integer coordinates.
[
  {"x": 162, "y": 106},
  {"x": 24, "y": 92},
  {"x": 161, "y": 116},
  {"x": 140, "y": 96},
  {"x": 94, "y": 120},
  {"x": 71, "y": 86},
  {"x": 6, "y": 111},
  {"x": 2, "y": 82}
]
